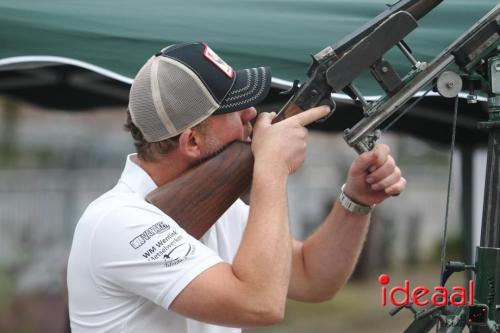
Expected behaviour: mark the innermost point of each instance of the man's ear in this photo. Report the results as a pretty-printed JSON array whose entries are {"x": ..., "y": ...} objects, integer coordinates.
[{"x": 189, "y": 144}]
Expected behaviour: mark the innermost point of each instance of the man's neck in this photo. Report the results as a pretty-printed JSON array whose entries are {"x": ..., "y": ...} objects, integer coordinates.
[{"x": 163, "y": 171}]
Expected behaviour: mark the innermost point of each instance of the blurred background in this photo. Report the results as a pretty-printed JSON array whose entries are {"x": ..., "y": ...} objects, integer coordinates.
[
  {"x": 53, "y": 164},
  {"x": 65, "y": 71}
]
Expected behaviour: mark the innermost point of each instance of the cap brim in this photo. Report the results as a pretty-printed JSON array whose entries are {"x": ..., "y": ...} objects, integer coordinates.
[{"x": 250, "y": 87}]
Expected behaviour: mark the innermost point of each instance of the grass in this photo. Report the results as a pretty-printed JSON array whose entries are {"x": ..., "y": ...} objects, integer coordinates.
[{"x": 5, "y": 291}]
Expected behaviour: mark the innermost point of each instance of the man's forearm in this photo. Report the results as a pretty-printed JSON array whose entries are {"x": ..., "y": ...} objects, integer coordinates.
[
  {"x": 323, "y": 263},
  {"x": 263, "y": 260},
  {"x": 330, "y": 254}
]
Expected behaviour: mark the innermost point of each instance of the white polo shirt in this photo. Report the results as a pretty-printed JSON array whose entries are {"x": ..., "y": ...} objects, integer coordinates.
[{"x": 129, "y": 261}]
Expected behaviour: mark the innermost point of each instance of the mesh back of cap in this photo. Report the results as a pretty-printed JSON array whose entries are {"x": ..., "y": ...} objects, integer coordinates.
[
  {"x": 180, "y": 99},
  {"x": 184, "y": 96},
  {"x": 142, "y": 108}
]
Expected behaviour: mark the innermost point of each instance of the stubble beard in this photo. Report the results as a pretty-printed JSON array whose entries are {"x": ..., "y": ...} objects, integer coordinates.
[{"x": 215, "y": 146}]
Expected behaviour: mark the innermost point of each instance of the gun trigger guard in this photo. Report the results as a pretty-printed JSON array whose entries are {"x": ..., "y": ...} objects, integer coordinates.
[
  {"x": 292, "y": 90},
  {"x": 331, "y": 103}
]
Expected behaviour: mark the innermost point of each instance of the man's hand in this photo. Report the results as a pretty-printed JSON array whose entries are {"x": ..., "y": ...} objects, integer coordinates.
[
  {"x": 282, "y": 146},
  {"x": 374, "y": 176}
]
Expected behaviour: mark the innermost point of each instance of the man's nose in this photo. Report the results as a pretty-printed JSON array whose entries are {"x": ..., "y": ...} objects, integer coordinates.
[{"x": 248, "y": 114}]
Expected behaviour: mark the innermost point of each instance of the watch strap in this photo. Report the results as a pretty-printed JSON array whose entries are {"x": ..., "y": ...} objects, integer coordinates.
[{"x": 352, "y": 205}]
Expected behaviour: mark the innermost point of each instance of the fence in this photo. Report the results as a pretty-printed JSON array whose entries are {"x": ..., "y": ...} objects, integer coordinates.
[{"x": 38, "y": 212}]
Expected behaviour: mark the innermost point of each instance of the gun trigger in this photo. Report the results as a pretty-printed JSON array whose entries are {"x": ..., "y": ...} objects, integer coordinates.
[
  {"x": 292, "y": 90},
  {"x": 331, "y": 103}
]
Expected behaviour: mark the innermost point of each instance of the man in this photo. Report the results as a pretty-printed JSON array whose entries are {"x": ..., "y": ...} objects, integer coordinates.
[{"x": 133, "y": 269}]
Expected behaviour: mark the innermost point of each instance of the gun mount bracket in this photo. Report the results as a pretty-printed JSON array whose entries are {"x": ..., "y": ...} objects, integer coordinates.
[
  {"x": 366, "y": 143},
  {"x": 386, "y": 76},
  {"x": 453, "y": 267},
  {"x": 470, "y": 51},
  {"x": 370, "y": 49},
  {"x": 405, "y": 49},
  {"x": 448, "y": 84},
  {"x": 494, "y": 64}
]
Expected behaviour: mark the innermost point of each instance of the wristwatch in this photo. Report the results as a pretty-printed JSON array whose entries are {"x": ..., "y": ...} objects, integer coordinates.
[{"x": 351, "y": 205}]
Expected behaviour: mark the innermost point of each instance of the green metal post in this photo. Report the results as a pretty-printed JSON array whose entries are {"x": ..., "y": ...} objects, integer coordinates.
[
  {"x": 487, "y": 282},
  {"x": 467, "y": 186}
]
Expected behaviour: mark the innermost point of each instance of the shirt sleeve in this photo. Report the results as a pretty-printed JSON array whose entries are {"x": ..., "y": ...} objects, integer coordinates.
[
  {"x": 140, "y": 251},
  {"x": 237, "y": 219}
]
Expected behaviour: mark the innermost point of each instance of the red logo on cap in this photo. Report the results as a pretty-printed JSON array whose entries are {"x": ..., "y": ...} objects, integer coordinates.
[{"x": 217, "y": 61}]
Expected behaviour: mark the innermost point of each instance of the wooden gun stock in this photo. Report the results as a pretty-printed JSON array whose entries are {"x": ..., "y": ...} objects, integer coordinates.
[{"x": 199, "y": 197}]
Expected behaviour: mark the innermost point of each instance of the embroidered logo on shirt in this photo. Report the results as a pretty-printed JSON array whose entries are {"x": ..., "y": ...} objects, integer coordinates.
[
  {"x": 156, "y": 228},
  {"x": 173, "y": 247},
  {"x": 178, "y": 254}
]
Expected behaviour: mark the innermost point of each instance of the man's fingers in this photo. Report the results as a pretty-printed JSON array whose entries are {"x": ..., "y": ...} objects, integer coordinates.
[
  {"x": 311, "y": 115},
  {"x": 264, "y": 119},
  {"x": 381, "y": 172},
  {"x": 388, "y": 181},
  {"x": 396, "y": 188},
  {"x": 371, "y": 160}
]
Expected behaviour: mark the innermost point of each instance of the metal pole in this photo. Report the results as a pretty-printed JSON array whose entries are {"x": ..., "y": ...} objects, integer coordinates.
[
  {"x": 467, "y": 186},
  {"x": 488, "y": 253},
  {"x": 490, "y": 229}
]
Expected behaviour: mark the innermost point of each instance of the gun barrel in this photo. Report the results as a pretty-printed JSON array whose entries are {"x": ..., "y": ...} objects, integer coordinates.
[
  {"x": 417, "y": 8},
  {"x": 421, "y": 8}
]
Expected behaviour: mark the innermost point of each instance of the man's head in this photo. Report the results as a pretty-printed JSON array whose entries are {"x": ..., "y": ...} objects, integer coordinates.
[{"x": 178, "y": 89}]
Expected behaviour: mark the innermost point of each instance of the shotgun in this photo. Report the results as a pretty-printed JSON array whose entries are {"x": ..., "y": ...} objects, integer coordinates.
[{"x": 197, "y": 198}]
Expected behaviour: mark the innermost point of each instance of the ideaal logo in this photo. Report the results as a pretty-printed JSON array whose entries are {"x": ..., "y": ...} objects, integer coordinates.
[
  {"x": 439, "y": 296},
  {"x": 140, "y": 240}
]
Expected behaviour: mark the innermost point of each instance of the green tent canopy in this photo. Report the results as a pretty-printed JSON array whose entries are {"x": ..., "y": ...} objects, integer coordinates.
[
  {"x": 117, "y": 36},
  {"x": 76, "y": 54}
]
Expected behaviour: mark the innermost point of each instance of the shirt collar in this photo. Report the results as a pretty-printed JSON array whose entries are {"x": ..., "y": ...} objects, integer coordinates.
[{"x": 136, "y": 178}]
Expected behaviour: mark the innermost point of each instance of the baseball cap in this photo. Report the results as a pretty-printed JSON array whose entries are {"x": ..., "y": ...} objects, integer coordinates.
[{"x": 184, "y": 84}]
